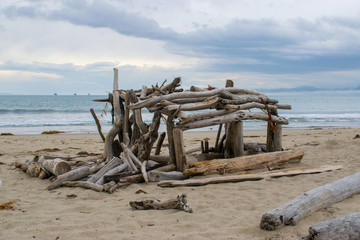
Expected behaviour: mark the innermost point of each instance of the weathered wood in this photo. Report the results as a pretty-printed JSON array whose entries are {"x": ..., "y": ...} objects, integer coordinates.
[
  {"x": 137, "y": 113},
  {"x": 97, "y": 124},
  {"x": 197, "y": 89},
  {"x": 234, "y": 144},
  {"x": 114, "y": 162},
  {"x": 218, "y": 138},
  {"x": 228, "y": 118},
  {"x": 178, "y": 203},
  {"x": 159, "y": 143},
  {"x": 248, "y": 177},
  {"x": 207, "y": 104},
  {"x": 255, "y": 147},
  {"x": 33, "y": 169},
  {"x": 171, "y": 86},
  {"x": 126, "y": 128},
  {"x": 56, "y": 166},
  {"x": 143, "y": 172},
  {"x": 179, "y": 148},
  {"x": 156, "y": 176},
  {"x": 160, "y": 158},
  {"x": 117, "y": 126},
  {"x": 83, "y": 184},
  {"x": 139, "y": 177},
  {"x": 180, "y": 95},
  {"x": 345, "y": 228},
  {"x": 143, "y": 92},
  {"x": 72, "y": 175},
  {"x": 291, "y": 212},
  {"x": 222, "y": 166}
]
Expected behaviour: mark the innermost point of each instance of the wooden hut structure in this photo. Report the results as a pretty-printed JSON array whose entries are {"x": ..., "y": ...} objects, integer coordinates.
[{"x": 185, "y": 110}]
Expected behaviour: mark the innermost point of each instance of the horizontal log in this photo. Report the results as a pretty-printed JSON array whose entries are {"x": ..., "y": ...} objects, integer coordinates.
[
  {"x": 114, "y": 162},
  {"x": 181, "y": 95},
  {"x": 186, "y": 117},
  {"x": 157, "y": 176},
  {"x": 248, "y": 177},
  {"x": 72, "y": 175},
  {"x": 229, "y": 118},
  {"x": 83, "y": 184},
  {"x": 291, "y": 212},
  {"x": 207, "y": 104},
  {"x": 56, "y": 166},
  {"x": 347, "y": 227},
  {"x": 139, "y": 177},
  {"x": 229, "y": 165}
]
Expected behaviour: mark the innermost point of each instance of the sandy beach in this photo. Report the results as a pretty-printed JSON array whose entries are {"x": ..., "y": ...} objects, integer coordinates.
[{"x": 221, "y": 211}]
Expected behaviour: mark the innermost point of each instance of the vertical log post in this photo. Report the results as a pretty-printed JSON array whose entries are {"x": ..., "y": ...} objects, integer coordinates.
[
  {"x": 273, "y": 137},
  {"x": 234, "y": 144},
  {"x": 179, "y": 149}
]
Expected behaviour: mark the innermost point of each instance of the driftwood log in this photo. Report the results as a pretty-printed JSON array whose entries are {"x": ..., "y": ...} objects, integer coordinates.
[
  {"x": 84, "y": 184},
  {"x": 72, "y": 175},
  {"x": 222, "y": 166},
  {"x": 344, "y": 228},
  {"x": 247, "y": 177},
  {"x": 291, "y": 212},
  {"x": 177, "y": 203},
  {"x": 56, "y": 166}
]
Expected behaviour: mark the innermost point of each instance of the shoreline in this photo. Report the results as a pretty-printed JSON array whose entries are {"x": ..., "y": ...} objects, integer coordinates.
[{"x": 221, "y": 211}]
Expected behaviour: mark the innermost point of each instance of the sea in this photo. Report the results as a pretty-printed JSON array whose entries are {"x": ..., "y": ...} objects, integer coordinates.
[{"x": 33, "y": 114}]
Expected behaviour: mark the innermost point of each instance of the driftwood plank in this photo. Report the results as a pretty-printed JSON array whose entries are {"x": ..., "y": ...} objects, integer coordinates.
[
  {"x": 84, "y": 184},
  {"x": 242, "y": 163},
  {"x": 291, "y": 212},
  {"x": 247, "y": 177}
]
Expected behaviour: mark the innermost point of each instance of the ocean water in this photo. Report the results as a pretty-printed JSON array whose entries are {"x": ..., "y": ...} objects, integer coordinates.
[{"x": 35, "y": 114}]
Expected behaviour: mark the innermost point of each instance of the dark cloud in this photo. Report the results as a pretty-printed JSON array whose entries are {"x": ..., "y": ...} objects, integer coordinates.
[{"x": 265, "y": 45}]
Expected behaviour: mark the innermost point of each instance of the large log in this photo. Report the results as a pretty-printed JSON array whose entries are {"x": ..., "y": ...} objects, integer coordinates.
[
  {"x": 73, "y": 175},
  {"x": 179, "y": 148},
  {"x": 345, "y": 228},
  {"x": 248, "y": 177},
  {"x": 291, "y": 212},
  {"x": 222, "y": 166},
  {"x": 56, "y": 166}
]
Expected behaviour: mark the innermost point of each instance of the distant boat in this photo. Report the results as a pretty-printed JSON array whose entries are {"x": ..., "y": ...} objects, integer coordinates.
[
  {"x": 88, "y": 94},
  {"x": 75, "y": 94},
  {"x": 55, "y": 94}
]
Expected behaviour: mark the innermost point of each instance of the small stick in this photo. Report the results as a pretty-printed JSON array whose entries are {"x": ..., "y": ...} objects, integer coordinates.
[
  {"x": 159, "y": 143},
  {"x": 97, "y": 124},
  {"x": 143, "y": 171}
]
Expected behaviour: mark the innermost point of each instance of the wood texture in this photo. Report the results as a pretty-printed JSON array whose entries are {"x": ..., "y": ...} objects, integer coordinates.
[
  {"x": 178, "y": 203},
  {"x": 73, "y": 175},
  {"x": 222, "y": 166},
  {"x": 248, "y": 177},
  {"x": 179, "y": 148},
  {"x": 344, "y": 228},
  {"x": 56, "y": 166},
  {"x": 291, "y": 212}
]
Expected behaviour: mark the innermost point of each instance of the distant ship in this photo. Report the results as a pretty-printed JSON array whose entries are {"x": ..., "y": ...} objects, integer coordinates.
[
  {"x": 75, "y": 94},
  {"x": 55, "y": 94}
]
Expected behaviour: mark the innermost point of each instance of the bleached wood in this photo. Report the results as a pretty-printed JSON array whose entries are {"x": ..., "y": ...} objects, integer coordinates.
[
  {"x": 97, "y": 124},
  {"x": 248, "y": 177},
  {"x": 178, "y": 203},
  {"x": 56, "y": 166},
  {"x": 291, "y": 212},
  {"x": 181, "y": 95},
  {"x": 72, "y": 175},
  {"x": 156, "y": 176},
  {"x": 208, "y": 104},
  {"x": 186, "y": 117},
  {"x": 344, "y": 228},
  {"x": 242, "y": 163},
  {"x": 159, "y": 143},
  {"x": 143, "y": 172},
  {"x": 114, "y": 162},
  {"x": 234, "y": 144},
  {"x": 180, "y": 155},
  {"x": 83, "y": 184}
]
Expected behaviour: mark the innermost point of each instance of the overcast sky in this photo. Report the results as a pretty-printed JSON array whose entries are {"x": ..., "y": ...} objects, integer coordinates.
[{"x": 72, "y": 46}]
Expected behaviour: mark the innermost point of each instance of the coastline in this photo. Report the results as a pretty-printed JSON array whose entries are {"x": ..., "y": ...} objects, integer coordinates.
[{"x": 221, "y": 211}]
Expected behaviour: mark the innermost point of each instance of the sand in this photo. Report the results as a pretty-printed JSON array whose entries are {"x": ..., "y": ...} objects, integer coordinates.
[{"x": 221, "y": 211}]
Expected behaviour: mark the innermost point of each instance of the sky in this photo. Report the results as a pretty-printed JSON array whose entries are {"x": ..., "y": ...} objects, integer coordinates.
[{"x": 72, "y": 46}]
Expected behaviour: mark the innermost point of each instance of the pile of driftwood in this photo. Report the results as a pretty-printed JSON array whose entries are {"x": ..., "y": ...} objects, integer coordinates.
[{"x": 128, "y": 157}]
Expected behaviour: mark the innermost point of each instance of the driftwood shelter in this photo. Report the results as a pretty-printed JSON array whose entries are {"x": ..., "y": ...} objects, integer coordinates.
[{"x": 185, "y": 110}]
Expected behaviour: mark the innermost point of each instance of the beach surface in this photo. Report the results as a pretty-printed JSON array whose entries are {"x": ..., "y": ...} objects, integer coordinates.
[{"x": 220, "y": 211}]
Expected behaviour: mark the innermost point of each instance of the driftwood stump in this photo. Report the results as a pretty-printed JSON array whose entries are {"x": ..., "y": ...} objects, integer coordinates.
[{"x": 177, "y": 203}]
